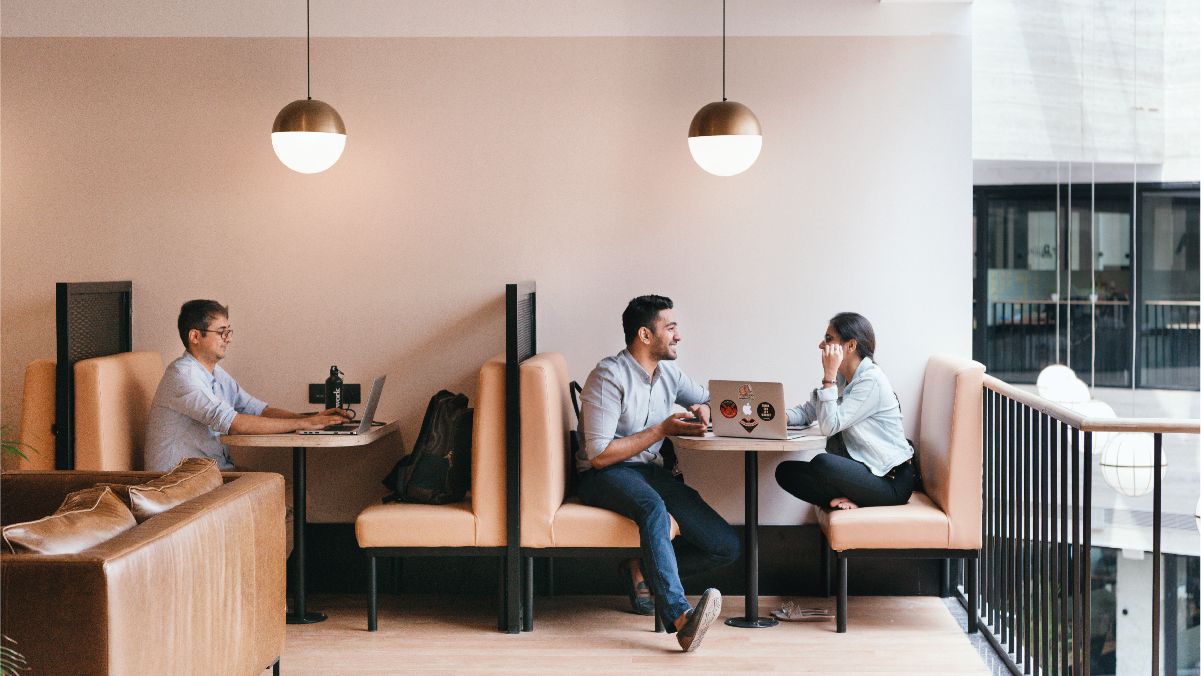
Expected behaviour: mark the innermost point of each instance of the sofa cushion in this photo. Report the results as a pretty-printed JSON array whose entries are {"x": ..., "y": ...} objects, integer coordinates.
[
  {"x": 579, "y": 525},
  {"x": 192, "y": 477},
  {"x": 405, "y": 524},
  {"x": 918, "y": 524},
  {"x": 85, "y": 519}
]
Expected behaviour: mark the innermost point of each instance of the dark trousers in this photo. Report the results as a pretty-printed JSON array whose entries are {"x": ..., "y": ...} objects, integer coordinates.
[
  {"x": 647, "y": 494},
  {"x": 828, "y": 476}
]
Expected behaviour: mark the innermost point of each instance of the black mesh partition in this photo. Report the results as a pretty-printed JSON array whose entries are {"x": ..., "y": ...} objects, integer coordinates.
[
  {"x": 521, "y": 343},
  {"x": 94, "y": 319}
]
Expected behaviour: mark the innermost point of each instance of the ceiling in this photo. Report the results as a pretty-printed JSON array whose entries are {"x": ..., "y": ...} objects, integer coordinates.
[{"x": 479, "y": 18}]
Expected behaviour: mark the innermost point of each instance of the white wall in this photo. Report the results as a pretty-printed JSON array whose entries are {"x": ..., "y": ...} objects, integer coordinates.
[{"x": 475, "y": 162}]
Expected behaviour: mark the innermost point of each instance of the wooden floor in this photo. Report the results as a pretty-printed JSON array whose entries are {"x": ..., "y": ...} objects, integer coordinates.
[{"x": 449, "y": 634}]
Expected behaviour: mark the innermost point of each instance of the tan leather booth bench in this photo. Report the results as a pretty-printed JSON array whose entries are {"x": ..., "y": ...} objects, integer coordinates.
[
  {"x": 198, "y": 589},
  {"x": 474, "y": 527},
  {"x": 112, "y": 404},
  {"x": 943, "y": 519},
  {"x": 553, "y": 523}
]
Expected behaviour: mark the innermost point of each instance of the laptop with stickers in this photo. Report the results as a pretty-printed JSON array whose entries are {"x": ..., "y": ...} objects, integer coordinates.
[
  {"x": 749, "y": 410},
  {"x": 364, "y": 425}
]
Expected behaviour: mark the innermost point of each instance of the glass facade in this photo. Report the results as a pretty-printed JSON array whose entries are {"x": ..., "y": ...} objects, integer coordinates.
[{"x": 1103, "y": 278}]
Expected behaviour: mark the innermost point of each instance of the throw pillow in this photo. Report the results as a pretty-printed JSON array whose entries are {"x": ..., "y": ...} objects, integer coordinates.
[
  {"x": 85, "y": 519},
  {"x": 191, "y": 478}
]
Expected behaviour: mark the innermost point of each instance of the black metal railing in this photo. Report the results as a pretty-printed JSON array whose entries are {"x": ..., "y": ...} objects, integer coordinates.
[
  {"x": 1034, "y": 591},
  {"x": 1095, "y": 337}
]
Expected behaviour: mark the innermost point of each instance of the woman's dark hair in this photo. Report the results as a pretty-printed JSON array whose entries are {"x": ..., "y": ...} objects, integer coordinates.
[
  {"x": 640, "y": 312},
  {"x": 196, "y": 314},
  {"x": 852, "y": 325}
]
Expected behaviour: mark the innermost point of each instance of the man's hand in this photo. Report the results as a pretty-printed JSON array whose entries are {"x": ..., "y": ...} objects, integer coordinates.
[
  {"x": 342, "y": 413},
  {"x": 321, "y": 420},
  {"x": 701, "y": 412},
  {"x": 831, "y": 359},
  {"x": 675, "y": 426}
]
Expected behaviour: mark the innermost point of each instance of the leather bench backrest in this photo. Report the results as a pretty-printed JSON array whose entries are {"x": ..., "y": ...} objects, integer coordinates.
[
  {"x": 112, "y": 404},
  {"x": 546, "y": 421},
  {"x": 37, "y": 417},
  {"x": 488, "y": 455},
  {"x": 949, "y": 441}
]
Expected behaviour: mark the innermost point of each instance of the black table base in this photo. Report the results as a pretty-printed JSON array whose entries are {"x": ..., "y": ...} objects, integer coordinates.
[
  {"x": 300, "y": 613},
  {"x": 751, "y": 548}
]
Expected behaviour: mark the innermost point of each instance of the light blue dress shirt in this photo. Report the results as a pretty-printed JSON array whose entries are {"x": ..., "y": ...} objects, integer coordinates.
[
  {"x": 868, "y": 415},
  {"x": 192, "y": 408},
  {"x": 620, "y": 398}
]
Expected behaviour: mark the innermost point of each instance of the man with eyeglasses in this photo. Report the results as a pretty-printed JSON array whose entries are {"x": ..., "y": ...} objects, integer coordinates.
[{"x": 197, "y": 401}]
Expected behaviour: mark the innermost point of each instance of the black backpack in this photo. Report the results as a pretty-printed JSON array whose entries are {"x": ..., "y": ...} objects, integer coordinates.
[{"x": 438, "y": 470}]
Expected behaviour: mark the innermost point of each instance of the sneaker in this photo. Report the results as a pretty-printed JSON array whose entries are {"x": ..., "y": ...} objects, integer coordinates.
[{"x": 699, "y": 619}]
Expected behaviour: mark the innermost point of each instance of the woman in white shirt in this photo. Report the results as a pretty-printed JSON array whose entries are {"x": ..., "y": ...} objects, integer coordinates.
[{"x": 868, "y": 461}]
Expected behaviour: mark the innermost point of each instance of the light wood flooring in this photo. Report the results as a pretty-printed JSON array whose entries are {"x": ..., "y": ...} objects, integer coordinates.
[{"x": 457, "y": 634}]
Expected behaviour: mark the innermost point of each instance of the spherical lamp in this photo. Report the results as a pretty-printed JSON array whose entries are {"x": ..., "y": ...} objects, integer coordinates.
[
  {"x": 725, "y": 138},
  {"x": 1059, "y": 383},
  {"x": 308, "y": 136},
  {"x": 1128, "y": 463}
]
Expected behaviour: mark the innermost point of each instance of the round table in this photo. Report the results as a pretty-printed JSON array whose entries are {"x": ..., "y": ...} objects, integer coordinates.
[{"x": 810, "y": 439}]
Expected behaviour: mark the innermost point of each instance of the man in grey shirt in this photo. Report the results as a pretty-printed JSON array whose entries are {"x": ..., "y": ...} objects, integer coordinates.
[
  {"x": 197, "y": 401},
  {"x": 625, "y": 416}
]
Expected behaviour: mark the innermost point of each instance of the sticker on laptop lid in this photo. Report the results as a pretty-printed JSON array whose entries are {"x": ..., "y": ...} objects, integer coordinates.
[
  {"x": 749, "y": 424},
  {"x": 728, "y": 408},
  {"x": 745, "y": 392},
  {"x": 765, "y": 411}
]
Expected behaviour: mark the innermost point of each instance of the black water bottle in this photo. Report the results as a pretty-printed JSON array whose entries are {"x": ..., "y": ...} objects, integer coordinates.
[{"x": 333, "y": 388}]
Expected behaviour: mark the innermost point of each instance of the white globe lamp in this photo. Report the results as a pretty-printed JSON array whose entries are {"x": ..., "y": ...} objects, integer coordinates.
[
  {"x": 1128, "y": 463},
  {"x": 308, "y": 136},
  {"x": 1059, "y": 383}
]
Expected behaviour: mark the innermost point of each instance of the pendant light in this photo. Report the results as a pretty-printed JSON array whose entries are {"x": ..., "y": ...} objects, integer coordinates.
[
  {"x": 308, "y": 135},
  {"x": 724, "y": 137}
]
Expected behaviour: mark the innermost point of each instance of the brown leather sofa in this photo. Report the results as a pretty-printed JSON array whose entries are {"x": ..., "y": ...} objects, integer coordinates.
[
  {"x": 473, "y": 527},
  {"x": 555, "y": 523},
  {"x": 112, "y": 404},
  {"x": 941, "y": 521},
  {"x": 198, "y": 589}
]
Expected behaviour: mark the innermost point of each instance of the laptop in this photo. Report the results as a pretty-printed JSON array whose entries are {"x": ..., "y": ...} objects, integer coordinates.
[
  {"x": 362, "y": 426},
  {"x": 749, "y": 410}
]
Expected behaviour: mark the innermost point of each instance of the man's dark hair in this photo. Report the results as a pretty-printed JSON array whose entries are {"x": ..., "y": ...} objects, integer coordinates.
[
  {"x": 642, "y": 311},
  {"x": 850, "y": 325},
  {"x": 196, "y": 314}
]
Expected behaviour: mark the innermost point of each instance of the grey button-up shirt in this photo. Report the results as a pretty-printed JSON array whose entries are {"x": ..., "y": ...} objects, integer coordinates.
[
  {"x": 192, "y": 408},
  {"x": 620, "y": 398},
  {"x": 867, "y": 413}
]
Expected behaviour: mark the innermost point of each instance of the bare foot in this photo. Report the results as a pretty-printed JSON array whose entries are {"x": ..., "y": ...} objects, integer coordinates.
[{"x": 842, "y": 503}]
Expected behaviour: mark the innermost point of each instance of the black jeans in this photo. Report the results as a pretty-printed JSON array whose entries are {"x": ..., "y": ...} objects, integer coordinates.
[{"x": 828, "y": 476}]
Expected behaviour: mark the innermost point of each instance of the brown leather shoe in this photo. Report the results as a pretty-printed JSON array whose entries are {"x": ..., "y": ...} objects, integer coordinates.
[{"x": 699, "y": 619}]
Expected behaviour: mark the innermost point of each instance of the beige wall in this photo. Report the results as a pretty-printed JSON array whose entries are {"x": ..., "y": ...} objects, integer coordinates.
[{"x": 474, "y": 162}]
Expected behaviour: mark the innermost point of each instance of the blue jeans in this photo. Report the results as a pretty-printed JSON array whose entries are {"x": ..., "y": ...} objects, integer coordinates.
[{"x": 646, "y": 494}]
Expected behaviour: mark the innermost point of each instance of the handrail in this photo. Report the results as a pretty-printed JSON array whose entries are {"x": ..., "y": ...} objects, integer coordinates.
[{"x": 1086, "y": 424}]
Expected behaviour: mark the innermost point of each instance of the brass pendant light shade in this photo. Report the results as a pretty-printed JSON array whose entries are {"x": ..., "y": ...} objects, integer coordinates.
[
  {"x": 724, "y": 118},
  {"x": 725, "y": 137},
  {"x": 308, "y": 135},
  {"x": 309, "y": 115}
]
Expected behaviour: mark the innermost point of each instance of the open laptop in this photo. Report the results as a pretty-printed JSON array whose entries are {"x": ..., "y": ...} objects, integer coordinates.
[
  {"x": 749, "y": 410},
  {"x": 362, "y": 426}
]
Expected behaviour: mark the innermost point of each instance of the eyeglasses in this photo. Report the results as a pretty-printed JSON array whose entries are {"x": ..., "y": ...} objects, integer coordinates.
[{"x": 225, "y": 333}]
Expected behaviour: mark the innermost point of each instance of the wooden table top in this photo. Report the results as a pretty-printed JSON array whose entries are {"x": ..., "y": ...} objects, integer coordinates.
[
  {"x": 810, "y": 440},
  {"x": 294, "y": 439}
]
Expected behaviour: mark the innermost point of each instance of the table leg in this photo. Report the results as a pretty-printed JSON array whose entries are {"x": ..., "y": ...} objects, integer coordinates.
[
  {"x": 300, "y": 613},
  {"x": 751, "y": 548}
]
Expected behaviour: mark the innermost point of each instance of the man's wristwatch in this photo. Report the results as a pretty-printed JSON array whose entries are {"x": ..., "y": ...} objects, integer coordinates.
[{"x": 829, "y": 382}]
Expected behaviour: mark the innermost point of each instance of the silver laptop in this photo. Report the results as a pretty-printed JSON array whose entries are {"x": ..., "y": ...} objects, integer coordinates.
[
  {"x": 749, "y": 410},
  {"x": 363, "y": 426}
]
